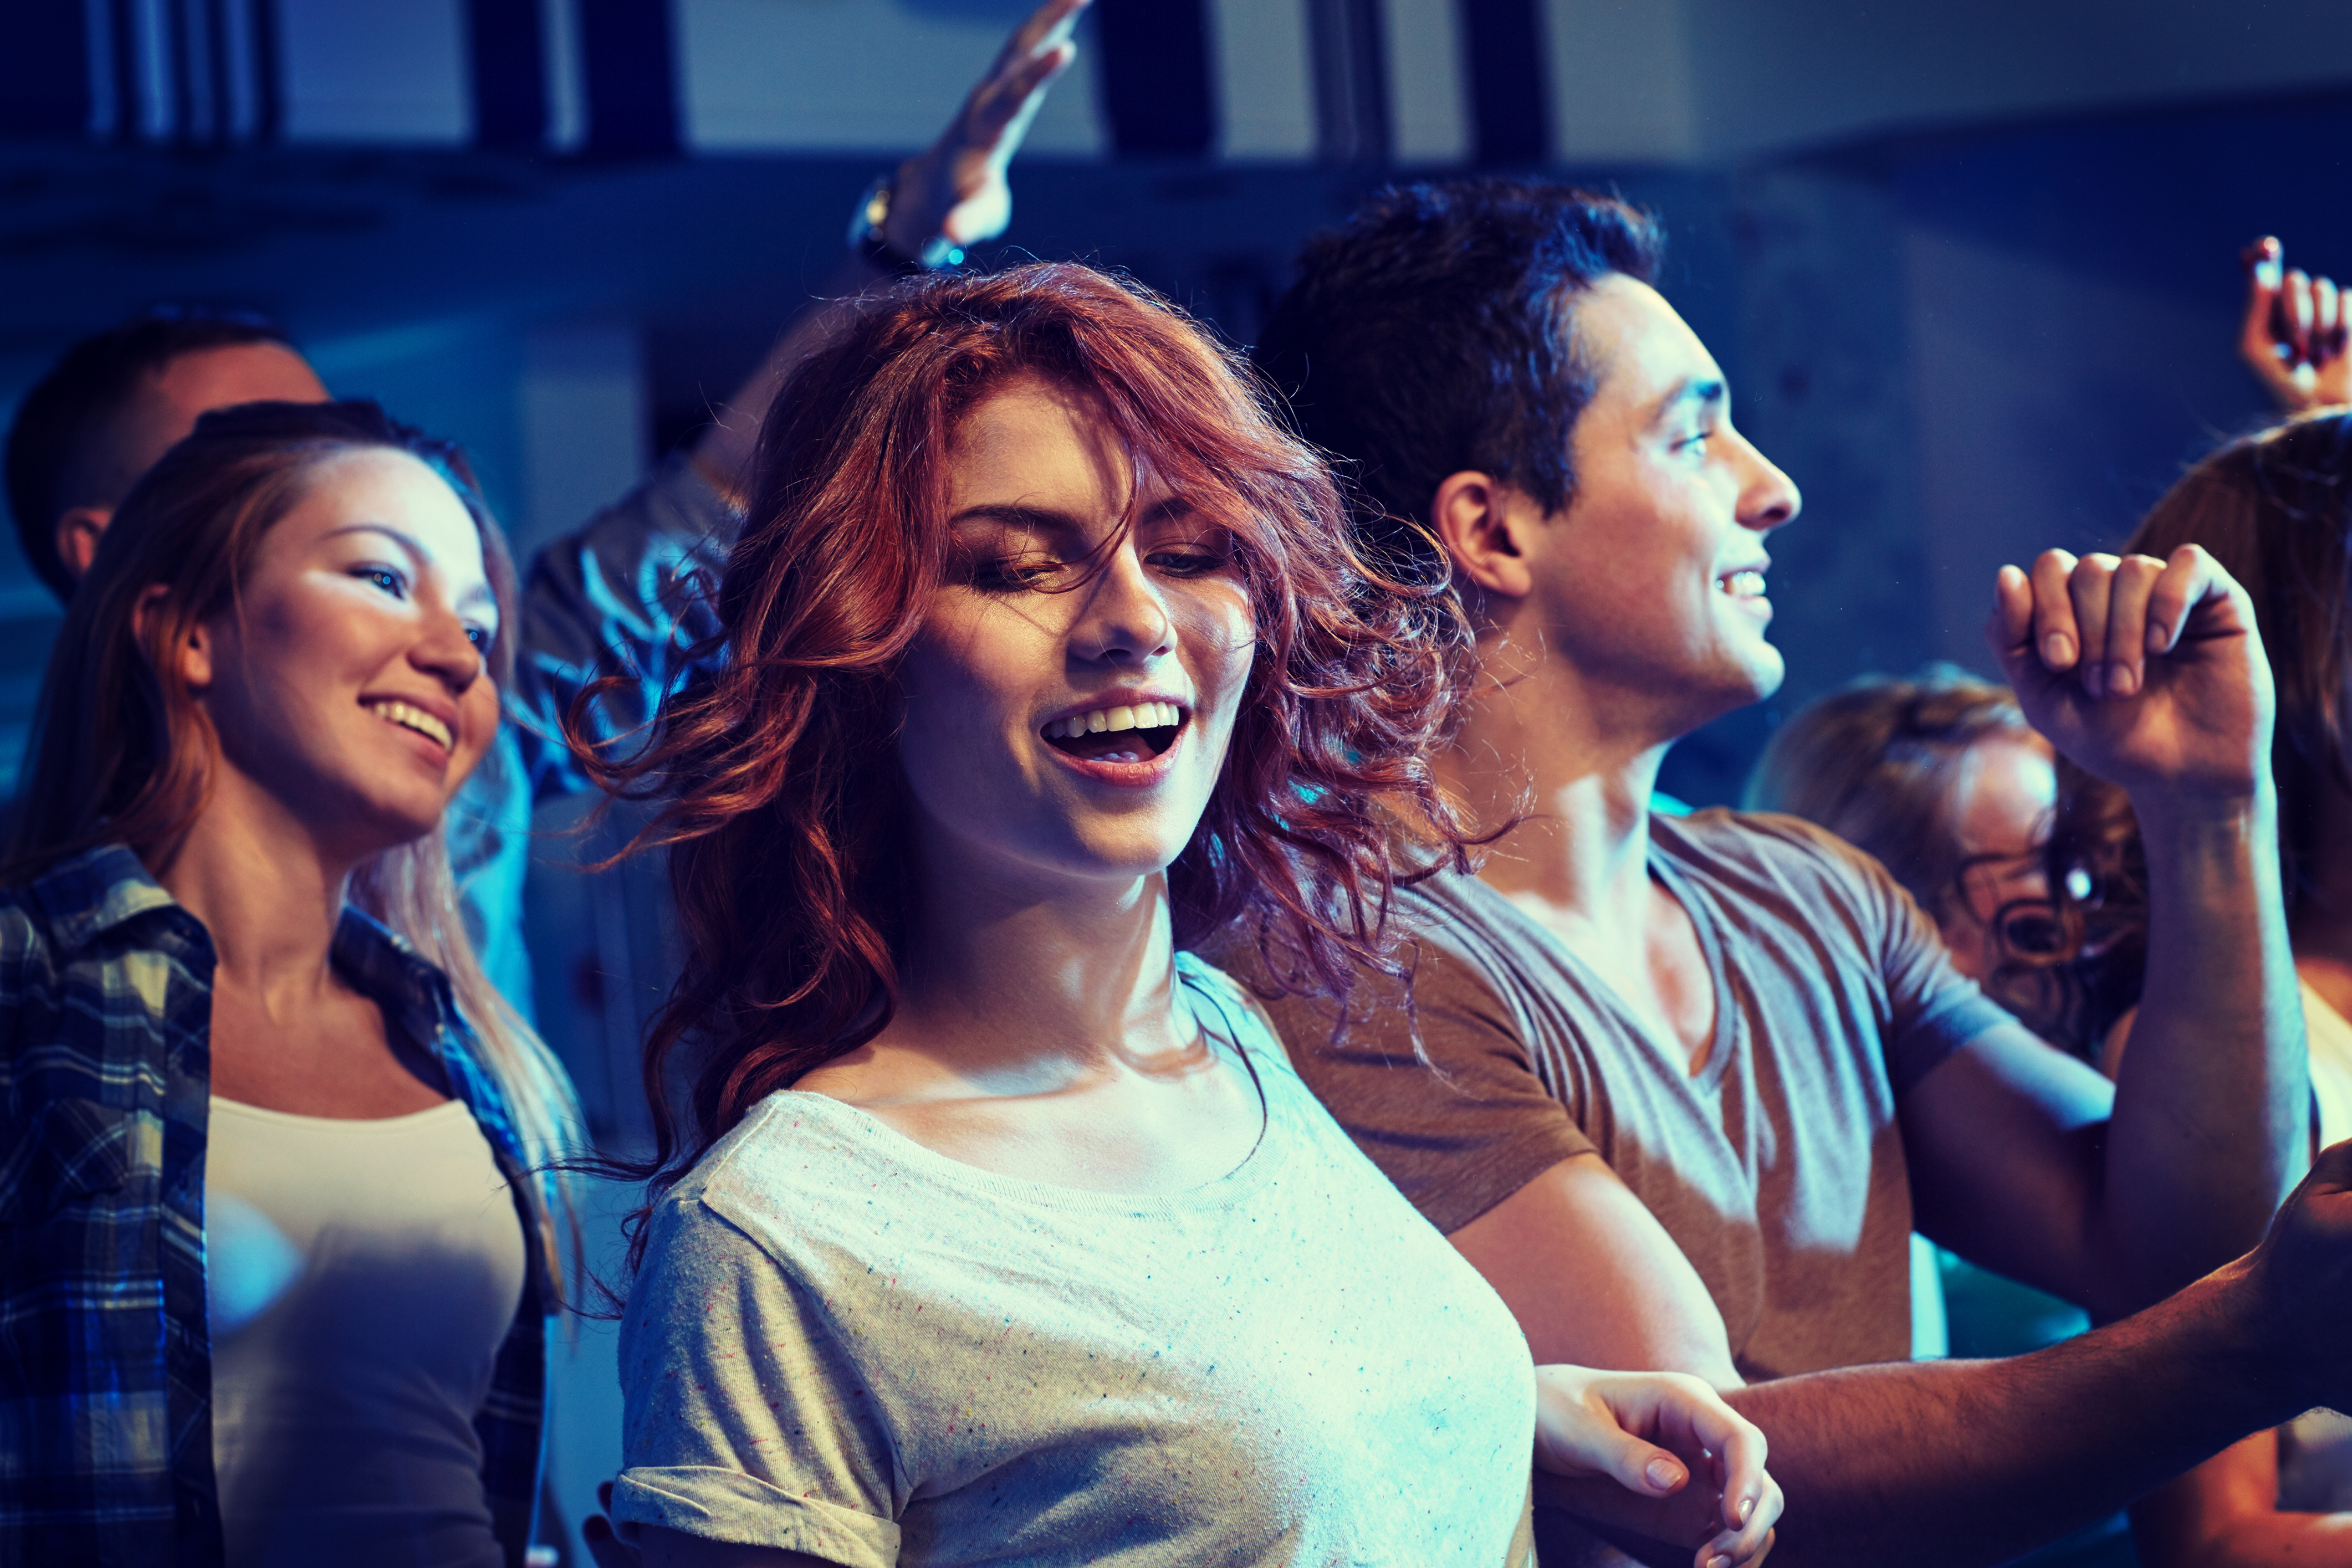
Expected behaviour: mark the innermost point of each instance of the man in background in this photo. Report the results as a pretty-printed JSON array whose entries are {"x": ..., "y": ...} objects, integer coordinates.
[{"x": 1698, "y": 1078}]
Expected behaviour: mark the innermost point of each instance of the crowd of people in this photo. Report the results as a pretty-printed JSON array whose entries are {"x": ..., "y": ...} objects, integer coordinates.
[{"x": 1197, "y": 1040}]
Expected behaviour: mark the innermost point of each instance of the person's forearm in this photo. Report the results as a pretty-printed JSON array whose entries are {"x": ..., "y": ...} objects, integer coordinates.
[
  {"x": 1973, "y": 1463},
  {"x": 724, "y": 451},
  {"x": 2212, "y": 1105}
]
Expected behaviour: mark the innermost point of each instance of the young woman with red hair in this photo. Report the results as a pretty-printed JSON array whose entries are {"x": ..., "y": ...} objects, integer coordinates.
[{"x": 998, "y": 1227}]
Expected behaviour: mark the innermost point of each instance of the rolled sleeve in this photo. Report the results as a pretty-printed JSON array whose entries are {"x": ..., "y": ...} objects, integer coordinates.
[
  {"x": 744, "y": 1419},
  {"x": 718, "y": 1504}
]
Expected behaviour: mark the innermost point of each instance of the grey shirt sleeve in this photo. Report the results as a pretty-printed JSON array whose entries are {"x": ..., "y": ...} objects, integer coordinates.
[
  {"x": 1460, "y": 1123},
  {"x": 1932, "y": 1010},
  {"x": 626, "y": 596},
  {"x": 744, "y": 1419}
]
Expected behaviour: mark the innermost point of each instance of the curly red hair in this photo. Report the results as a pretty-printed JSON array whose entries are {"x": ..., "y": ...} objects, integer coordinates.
[{"x": 775, "y": 771}]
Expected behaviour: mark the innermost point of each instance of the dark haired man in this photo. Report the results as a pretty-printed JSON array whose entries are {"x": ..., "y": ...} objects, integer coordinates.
[
  {"x": 118, "y": 401},
  {"x": 1700, "y": 1077},
  {"x": 604, "y": 601}
]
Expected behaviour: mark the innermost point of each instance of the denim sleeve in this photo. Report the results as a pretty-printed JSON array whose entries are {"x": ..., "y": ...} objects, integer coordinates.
[{"x": 626, "y": 595}]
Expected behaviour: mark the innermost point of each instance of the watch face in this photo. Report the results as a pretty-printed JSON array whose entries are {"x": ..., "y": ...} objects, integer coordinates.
[
  {"x": 872, "y": 212},
  {"x": 865, "y": 237}
]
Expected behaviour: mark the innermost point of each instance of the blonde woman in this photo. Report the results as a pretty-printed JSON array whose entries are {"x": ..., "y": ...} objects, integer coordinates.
[{"x": 273, "y": 1285}]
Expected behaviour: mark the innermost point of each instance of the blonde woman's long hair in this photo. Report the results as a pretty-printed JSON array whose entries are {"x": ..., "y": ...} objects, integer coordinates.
[{"x": 122, "y": 752}]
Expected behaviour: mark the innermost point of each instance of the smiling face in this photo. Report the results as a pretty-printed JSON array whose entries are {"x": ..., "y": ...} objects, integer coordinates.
[
  {"x": 347, "y": 685},
  {"x": 1653, "y": 580},
  {"x": 1069, "y": 699}
]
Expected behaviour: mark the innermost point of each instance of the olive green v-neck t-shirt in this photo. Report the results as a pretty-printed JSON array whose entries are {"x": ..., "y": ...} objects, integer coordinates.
[{"x": 1778, "y": 1168}]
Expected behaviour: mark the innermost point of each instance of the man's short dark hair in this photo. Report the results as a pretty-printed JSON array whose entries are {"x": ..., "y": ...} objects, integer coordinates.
[
  {"x": 1430, "y": 335},
  {"x": 50, "y": 441}
]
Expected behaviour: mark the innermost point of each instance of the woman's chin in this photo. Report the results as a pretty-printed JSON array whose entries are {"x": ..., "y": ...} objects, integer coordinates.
[
  {"x": 1095, "y": 859},
  {"x": 1126, "y": 857},
  {"x": 1053, "y": 829},
  {"x": 376, "y": 825}
]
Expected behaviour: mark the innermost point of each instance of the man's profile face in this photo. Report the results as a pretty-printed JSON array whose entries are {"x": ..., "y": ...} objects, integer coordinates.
[
  {"x": 1653, "y": 578},
  {"x": 163, "y": 411}
]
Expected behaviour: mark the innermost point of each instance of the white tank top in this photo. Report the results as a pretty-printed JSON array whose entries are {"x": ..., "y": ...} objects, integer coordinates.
[
  {"x": 361, "y": 1277},
  {"x": 2330, "y": 1034},
  {"x": 2316, "y": 1449}
]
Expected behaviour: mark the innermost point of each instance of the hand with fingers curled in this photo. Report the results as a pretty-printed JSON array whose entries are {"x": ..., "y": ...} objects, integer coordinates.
[
  {"x": 2149, "y": 673},
  {"x": 1686, "y": 1468},
  {"x": 955, "y": 190},
  {"x": 2295, "y": 334}
]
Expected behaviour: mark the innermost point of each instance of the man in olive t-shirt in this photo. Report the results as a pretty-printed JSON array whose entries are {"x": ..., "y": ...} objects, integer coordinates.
[
  {"x": 1688, "y": 1085},
  {"x": 1778, "y": 1172}
]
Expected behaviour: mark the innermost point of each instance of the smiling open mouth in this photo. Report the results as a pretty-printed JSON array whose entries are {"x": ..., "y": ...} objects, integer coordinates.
[
  {"x": 415, "y": 719},
  {"x": 1748, "y": 583},
  {"x": 1136, "y": 734}
]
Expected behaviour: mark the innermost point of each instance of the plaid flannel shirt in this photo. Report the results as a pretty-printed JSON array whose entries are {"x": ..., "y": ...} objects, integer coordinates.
[{"x": 106, "y": 1443}]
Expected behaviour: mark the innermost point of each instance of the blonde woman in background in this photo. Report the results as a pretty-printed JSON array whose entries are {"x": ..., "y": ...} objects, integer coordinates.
[{"x": 274, "y": 1283}]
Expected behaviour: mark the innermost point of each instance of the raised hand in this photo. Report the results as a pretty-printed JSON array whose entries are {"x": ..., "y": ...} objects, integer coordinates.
[
  {"x": 1634, "y": 1427},
  {"x": 955, "y": 190},
  {"x": 2294, "y": 336},
  {"x": 2146, "y": 673}
]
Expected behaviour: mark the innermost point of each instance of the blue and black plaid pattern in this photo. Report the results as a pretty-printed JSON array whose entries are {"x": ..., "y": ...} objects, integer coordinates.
[{"x": 105, "y": 1360}]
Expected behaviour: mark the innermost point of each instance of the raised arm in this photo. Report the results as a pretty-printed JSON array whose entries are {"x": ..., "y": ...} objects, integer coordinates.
[
  {"x": 953, "y": 194},
  {"x": 616, "y": 598},
  {"x": 2149, "y": 674},
  {"x": 1972, "y": 1462}
]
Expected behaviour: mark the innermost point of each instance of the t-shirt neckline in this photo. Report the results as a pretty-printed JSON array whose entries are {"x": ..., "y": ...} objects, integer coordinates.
[
  {"x": 1266, "y": 1154},
  {"x": 1699, "y": 911},
  {"x": 238, "y": 1108},
  {"x": 1685, "y": 893}
]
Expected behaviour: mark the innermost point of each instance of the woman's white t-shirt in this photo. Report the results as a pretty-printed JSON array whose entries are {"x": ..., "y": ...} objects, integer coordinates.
[{"x": 846, "y": 1345}]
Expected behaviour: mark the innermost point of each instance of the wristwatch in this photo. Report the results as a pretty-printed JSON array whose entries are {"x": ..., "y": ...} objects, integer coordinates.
[{"x": 865, "y": 237}]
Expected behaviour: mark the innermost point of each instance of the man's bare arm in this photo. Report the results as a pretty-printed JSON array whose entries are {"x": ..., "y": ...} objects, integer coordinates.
[
  {"x": 2149, "y": 674},
  {"x": 1971, "y": 1463},
  {"x": 2006, "y": 1141},
  {"x": 955, "y": 190},
  {"x": 1952, "y": 1462},
  {"x": 1594, "y": 1279}
]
